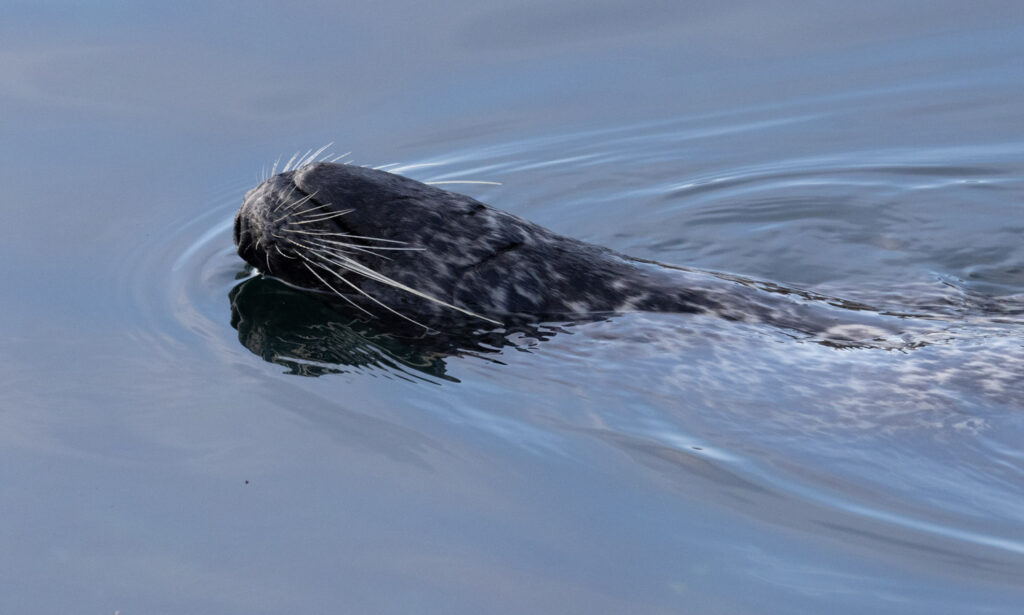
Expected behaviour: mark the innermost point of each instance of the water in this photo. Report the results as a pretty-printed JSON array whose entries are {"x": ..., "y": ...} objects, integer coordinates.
[{"x": 177, "y": 438}]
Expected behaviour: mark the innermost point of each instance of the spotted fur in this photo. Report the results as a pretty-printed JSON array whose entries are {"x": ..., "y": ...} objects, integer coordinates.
[{"x": 387, "y": 244}]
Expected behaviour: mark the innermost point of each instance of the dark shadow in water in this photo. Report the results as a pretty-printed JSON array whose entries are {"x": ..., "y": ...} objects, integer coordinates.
[{"x": 312, "y": 337}]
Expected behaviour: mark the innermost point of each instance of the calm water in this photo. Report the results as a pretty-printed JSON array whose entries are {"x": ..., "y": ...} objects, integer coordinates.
[{"x": 177, "y": 436}]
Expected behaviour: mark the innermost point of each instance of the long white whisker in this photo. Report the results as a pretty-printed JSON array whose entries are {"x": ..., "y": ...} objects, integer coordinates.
[
  {"x": 414, "y": 166},
  {"x": 319, "y": 248},
  {"x": 368, "y": 296},
  {"x": 341, "y": 243},
  {"x": 324, "y": 217},
  {"x": 288, "y": 167},
  {"x": 361, "y": 269},
  {"x": 345, "y": 236},
  {"x": 306, "y": 199},
  {"x": 354, "y": 287},
  {"x": 306, "y": 211},
  {"x": 462, "y": 181},
  {"x": 280, "y": 202},
  {"x": 288, "y": 210},
  {"x": 320, "y": 151},
  {"x": 303, "y": 201},
  {"x": 316, "y": 249},
  {"x": 336, "y": 291},
  {"x": 298, "y": 163},
  {"x": 340, "y": 251},
  {"x": 310, "y": 158}
]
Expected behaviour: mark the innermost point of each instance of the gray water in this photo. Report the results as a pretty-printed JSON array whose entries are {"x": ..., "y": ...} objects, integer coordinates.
[{"x": 177, "y": 436}]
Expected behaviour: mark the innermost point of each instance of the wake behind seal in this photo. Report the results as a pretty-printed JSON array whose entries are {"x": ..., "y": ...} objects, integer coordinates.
[{"x": 392, "y": 246}]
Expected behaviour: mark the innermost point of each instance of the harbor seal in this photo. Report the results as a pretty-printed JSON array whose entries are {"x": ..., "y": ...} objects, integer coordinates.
[{"x": 388, "y": 245}]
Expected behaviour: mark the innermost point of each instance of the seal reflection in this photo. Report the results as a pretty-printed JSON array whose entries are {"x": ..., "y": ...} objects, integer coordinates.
[{"x": 313, "y": 337}]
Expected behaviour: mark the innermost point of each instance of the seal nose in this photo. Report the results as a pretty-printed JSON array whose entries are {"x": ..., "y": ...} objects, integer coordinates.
[
  {"x": 237, "y": 236},
  {"x": 244, "y": 238}
]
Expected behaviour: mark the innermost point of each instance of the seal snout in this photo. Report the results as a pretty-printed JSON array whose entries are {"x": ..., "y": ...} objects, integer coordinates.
[
  {"x": 241, "y": 227},
  {"x": 245, "y": 236},
  {"x": 265, "y": 229},
  {"x": 251, "y": 229}
]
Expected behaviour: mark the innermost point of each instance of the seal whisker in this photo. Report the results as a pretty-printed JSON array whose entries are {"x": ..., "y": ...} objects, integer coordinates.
[
  {"x": 312, "y": 157},
  {"x": 341, "y": 247},
  {"x": 322, "y": 218},
  {"x": 345, "y": 235},
  {"x": 306, "y": 211},
  {"x": 278, "y": 248},
  {"x": 298, "y": 163},
  {"x": 371, "y": 251},
  {"x": 463, "y": 181},
  {"x": 341, "y": 243},
  {"x": 372, "y": 298},
  {"x": 335, "y": 290},
  {"x": 288, "y": 210},
  {"x": 319, "y": 249},
  {"x": 339, "y": 251},
  {"x": 298, "y": 202},
  {"x": 356, "y": 267},
  {"x": 279, "y": 205},
  {"x": 302, "y": 201},
  {"x": 399, "y": 170},
  {"x": 288, "y": 165},
  {"x": 337, "y": 158},
  {"x": 353, "y": 286}
]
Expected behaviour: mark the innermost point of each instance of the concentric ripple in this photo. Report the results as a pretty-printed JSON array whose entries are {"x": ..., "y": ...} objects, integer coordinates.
[{"x": 912, "y": 453}]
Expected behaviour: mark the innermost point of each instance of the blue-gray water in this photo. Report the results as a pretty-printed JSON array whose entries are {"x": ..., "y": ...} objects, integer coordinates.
[{"x": 150, "y": 462}]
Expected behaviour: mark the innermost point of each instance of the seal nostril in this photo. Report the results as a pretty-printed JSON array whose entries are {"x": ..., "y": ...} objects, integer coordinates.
[{"x": 238, "y": 230}]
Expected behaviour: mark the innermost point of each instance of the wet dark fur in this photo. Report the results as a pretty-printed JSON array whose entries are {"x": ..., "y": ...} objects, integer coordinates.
[{"x": 458, "y": 251}]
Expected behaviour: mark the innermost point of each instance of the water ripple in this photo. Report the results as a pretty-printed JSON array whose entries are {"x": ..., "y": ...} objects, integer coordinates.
[{"x": 891, "y": 448}]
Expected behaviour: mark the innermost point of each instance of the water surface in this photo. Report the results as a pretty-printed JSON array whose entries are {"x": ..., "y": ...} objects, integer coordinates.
[{"x": 177, "y": 436}]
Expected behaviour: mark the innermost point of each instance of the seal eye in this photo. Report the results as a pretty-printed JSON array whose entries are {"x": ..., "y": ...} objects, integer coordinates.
[{"x": 238, "y": 230}]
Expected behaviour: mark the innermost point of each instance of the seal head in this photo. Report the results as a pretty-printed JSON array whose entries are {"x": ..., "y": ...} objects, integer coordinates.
[{"x": 385, "y": 242}]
